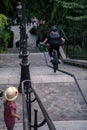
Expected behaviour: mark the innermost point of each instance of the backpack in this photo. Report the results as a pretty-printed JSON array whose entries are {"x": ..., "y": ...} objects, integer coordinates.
[{"x": 54, "y": 37}]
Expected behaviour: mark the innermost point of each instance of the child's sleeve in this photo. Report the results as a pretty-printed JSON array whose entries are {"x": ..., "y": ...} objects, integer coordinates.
[{"x": 13, "y": 105}]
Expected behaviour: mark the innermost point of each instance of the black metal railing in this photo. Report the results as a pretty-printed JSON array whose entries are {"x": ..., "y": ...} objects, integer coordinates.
[
  {"x": 77, "y": 47},
  {"x": 27, "y": 103},
  {"x": 25, "y": 115}
]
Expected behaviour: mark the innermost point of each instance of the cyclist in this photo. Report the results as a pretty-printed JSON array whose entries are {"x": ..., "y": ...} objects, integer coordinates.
[{"x": 54, "y": 39}]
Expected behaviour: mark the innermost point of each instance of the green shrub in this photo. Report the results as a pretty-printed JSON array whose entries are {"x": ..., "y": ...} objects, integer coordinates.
[
  {"x": 5, "y": 34},
  {"x": 77, "y": 48},
  {"x": 10, "y": 42}
]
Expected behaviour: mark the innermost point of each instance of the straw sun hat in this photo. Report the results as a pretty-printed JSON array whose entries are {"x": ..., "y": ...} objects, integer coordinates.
[{"x": 11, "y": 93}]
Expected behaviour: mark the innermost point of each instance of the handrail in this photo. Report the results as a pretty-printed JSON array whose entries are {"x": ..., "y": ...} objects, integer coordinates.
[
  {"x": 25, "y": 115},
  {"x": 72, "y": 75},
  {"x": 45, "y": 114}
]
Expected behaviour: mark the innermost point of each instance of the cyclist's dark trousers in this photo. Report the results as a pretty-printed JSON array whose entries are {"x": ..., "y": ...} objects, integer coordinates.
[{"x": 52, "y": 46}]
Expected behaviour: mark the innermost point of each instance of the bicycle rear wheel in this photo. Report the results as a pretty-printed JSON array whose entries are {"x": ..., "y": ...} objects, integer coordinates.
[{"x": 55, "y": 61}]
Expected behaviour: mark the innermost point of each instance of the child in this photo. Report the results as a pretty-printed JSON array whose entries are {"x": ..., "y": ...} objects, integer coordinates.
[{"x": 10, "y": 114}]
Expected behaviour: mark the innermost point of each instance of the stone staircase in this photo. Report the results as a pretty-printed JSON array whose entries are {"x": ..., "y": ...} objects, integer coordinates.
[{"x": 57, "y": 91}]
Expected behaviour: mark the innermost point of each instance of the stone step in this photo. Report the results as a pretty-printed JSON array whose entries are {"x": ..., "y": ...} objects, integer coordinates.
[
  {"x": 41, "y": 74},
  {"x": 68, "y": 125},
  {"x": 46, "y": 75},
  {"x": 59, "y": 125},
  {"x": 13, "y": 50},
  {"x": 9, "y": 75},
  {"x": 18, "y": 126}
]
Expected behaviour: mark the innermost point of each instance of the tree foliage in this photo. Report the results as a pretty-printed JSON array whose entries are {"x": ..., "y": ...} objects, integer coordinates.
[
  {"x": 3, "y": 21},
  {"x": 4, "y": 34},
  {"x": 71, "y": 16},
  {"x": 68, "y": 15},
  {"x": 8, "y": 7}
]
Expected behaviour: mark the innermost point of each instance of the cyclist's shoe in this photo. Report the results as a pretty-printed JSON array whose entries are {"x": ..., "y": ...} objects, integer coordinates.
[
  {"x": 59, "y": 61},
  {"x": 51, "y": 59}
]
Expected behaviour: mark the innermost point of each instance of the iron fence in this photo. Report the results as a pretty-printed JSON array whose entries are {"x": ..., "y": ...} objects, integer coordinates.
[{"x": 77, "y": 47}]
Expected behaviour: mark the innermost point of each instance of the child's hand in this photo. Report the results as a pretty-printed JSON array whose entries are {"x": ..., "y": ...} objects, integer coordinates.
[{"x": 18, "y": 117}]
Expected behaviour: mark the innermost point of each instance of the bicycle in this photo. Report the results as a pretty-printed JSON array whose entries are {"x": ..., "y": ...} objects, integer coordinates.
[{"x": 55, "y": 61}]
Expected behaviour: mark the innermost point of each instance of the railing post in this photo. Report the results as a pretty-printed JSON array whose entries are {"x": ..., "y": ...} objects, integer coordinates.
[
  {"x": 1, "y": 93},
  {"x": 28, "y": 90},
  {"x": 35, "y": 121},
  {"x": 29, "y": 106},
  {"x": 25, "y": 115}
]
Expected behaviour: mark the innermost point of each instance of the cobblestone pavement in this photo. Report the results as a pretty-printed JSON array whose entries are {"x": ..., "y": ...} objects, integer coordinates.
[{"x": 62, "y": 101}]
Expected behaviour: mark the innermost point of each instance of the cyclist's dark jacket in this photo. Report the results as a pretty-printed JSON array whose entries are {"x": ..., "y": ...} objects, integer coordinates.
[{"x": 54, "y": 38}]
